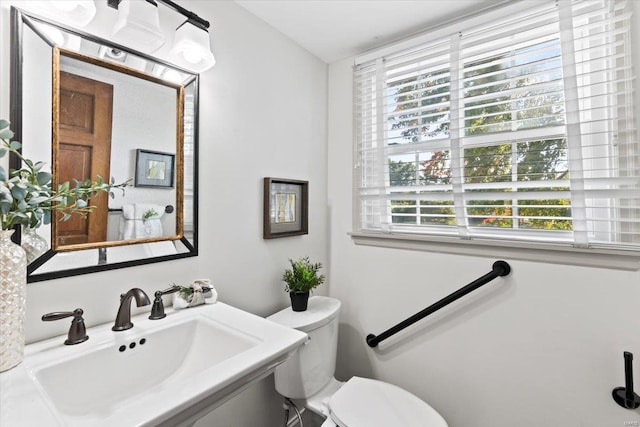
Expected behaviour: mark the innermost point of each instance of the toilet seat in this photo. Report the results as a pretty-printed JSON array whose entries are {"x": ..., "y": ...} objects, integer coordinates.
[{"x": 363, "y": 402}]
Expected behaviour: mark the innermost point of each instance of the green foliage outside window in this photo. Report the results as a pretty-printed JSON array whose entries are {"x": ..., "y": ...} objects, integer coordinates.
[{"x": 518, "y": 104}]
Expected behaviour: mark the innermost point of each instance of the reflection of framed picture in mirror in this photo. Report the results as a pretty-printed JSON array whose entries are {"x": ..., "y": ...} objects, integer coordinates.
[
  {"x": 286, "y": 208},
  {"x": 154, "y": 169}
]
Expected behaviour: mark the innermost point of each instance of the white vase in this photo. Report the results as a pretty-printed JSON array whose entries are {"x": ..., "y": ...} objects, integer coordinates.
[
  {"x": 13, "y": 290},
  {"x": 32, "y": 243}
]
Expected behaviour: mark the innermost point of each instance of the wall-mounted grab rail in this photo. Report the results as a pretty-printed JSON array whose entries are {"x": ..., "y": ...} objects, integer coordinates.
[
  {"x": 167, "y": 209},
  {"x": 500, "y": 268}
]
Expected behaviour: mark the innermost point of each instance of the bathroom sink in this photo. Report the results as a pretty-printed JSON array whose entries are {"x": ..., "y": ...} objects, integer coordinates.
[
  {"x": 105, "y": 378},
  {"x": 165, "y": 372}
]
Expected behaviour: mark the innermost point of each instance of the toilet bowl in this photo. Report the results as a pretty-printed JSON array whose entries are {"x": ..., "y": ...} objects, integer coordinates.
[{"x": 359, "y": 402}]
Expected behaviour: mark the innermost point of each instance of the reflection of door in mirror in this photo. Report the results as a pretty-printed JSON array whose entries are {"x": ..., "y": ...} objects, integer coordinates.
[{"x": 84, "y": 151}]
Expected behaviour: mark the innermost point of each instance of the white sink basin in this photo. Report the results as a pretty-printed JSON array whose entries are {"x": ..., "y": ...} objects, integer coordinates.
[
  {"x": 107, "y": 377},
  {"x": 164, "y": 372}
]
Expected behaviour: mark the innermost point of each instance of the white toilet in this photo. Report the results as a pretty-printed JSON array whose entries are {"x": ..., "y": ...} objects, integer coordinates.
[{"x": 359, "y": 402}]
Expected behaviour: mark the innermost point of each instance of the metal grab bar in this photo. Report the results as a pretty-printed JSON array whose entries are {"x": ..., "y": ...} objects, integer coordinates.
[
  {"x": 167, "y": 209},
  {"x": 500, "y": 268}
]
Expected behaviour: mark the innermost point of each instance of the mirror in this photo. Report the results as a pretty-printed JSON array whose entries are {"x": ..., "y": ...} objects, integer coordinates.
[
  {"x": 113, "y": 121},
  {"x": 115, "y": 113}
]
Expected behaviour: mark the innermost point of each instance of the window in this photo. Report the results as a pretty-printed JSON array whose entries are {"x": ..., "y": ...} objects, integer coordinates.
[
  {"x": 189, "y": 162},
  {"x": 521, "y": 130}
]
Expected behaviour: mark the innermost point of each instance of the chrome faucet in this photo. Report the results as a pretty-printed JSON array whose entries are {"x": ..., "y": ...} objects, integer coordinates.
[{"x": 123, "y": 319}]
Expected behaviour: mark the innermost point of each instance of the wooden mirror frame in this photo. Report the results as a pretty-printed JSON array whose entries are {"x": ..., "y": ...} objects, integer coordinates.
[{"x": 57, "y": 52}]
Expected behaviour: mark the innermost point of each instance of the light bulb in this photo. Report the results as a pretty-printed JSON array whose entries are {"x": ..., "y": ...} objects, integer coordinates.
[
  {"x": 192, "y": 55},
  {"x": 172, "y": 76}
]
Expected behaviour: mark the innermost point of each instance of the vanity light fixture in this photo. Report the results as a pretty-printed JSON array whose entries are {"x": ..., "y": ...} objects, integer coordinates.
[
  {"x": 74, "y": 12},
  {"x": 138, "y": 25},
  {"x": 191, "y": 47},
  {"x": 191, "y": 44}
]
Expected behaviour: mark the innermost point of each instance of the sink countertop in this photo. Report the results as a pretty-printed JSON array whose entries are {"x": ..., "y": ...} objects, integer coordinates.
[{"x": 25, "y": 402}]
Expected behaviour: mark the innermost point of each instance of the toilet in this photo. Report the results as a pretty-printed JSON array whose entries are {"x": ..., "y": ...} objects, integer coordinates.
[{"x": 359, "y": 402}]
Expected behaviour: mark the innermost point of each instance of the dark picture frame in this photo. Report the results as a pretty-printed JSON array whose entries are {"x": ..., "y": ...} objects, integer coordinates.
[
  {"x": 154, "y": 169},
  {"x": 286, "y": 208}
]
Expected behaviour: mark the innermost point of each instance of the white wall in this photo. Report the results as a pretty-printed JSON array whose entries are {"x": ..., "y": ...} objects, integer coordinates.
[
  {"x": 541, "y": 347},
  {"x": 262, "y": 113}
]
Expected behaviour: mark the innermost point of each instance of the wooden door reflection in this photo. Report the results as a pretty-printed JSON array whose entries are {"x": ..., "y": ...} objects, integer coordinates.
[{"x": 84, "y": 151}]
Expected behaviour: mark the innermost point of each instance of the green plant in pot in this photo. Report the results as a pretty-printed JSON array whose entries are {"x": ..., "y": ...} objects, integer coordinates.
[{"x": 301, "y": 279}]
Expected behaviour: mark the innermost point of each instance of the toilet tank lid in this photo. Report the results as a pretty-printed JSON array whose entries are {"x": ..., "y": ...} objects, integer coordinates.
[{"x": 320, "y": 311}]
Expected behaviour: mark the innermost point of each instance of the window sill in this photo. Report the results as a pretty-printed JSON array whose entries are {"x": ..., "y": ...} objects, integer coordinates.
[{"x": 538, "y": 252}]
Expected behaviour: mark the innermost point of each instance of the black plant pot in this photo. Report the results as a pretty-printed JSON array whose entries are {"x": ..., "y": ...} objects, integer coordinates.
[{"x": 299, "y": 300}]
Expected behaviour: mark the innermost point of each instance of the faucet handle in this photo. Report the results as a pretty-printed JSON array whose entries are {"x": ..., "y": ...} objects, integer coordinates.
[
  {"x": 157, "y": 310},
  {"x": 77, "y": 331}
]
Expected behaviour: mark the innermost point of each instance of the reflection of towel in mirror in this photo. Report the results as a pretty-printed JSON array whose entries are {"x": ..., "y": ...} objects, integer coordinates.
[{"x": 141, "y": 220}]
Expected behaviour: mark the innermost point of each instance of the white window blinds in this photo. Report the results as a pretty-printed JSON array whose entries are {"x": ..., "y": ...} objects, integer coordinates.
[
  {"x": 519, "y": 130},
  {"x": 189, "y": 156}
]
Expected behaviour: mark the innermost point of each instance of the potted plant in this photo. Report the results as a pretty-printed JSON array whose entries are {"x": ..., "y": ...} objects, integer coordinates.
[
  {"x": 27, "y": 200},
  {"x": 300, "y": 279}
]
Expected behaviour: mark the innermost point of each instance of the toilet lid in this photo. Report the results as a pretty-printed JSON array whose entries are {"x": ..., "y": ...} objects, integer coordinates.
[{"x": 363, "y": 402}]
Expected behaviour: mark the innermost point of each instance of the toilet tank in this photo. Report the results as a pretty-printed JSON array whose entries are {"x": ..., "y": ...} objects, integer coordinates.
[{"x": 314, "y": 364}]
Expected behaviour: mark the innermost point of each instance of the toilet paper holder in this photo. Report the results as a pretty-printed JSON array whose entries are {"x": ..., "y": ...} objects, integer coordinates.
[{"x": 625, "y": 396}]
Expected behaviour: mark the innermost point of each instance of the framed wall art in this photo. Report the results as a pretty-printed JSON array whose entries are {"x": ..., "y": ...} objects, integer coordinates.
[
  {"x": 286, "y": 208},
  {"x": 154, "y": 169}
]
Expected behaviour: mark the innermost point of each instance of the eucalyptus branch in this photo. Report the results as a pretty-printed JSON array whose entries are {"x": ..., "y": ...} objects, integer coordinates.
[
  {"x": 149, "y": 214},
  {"x": 26, "y": 196}
]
